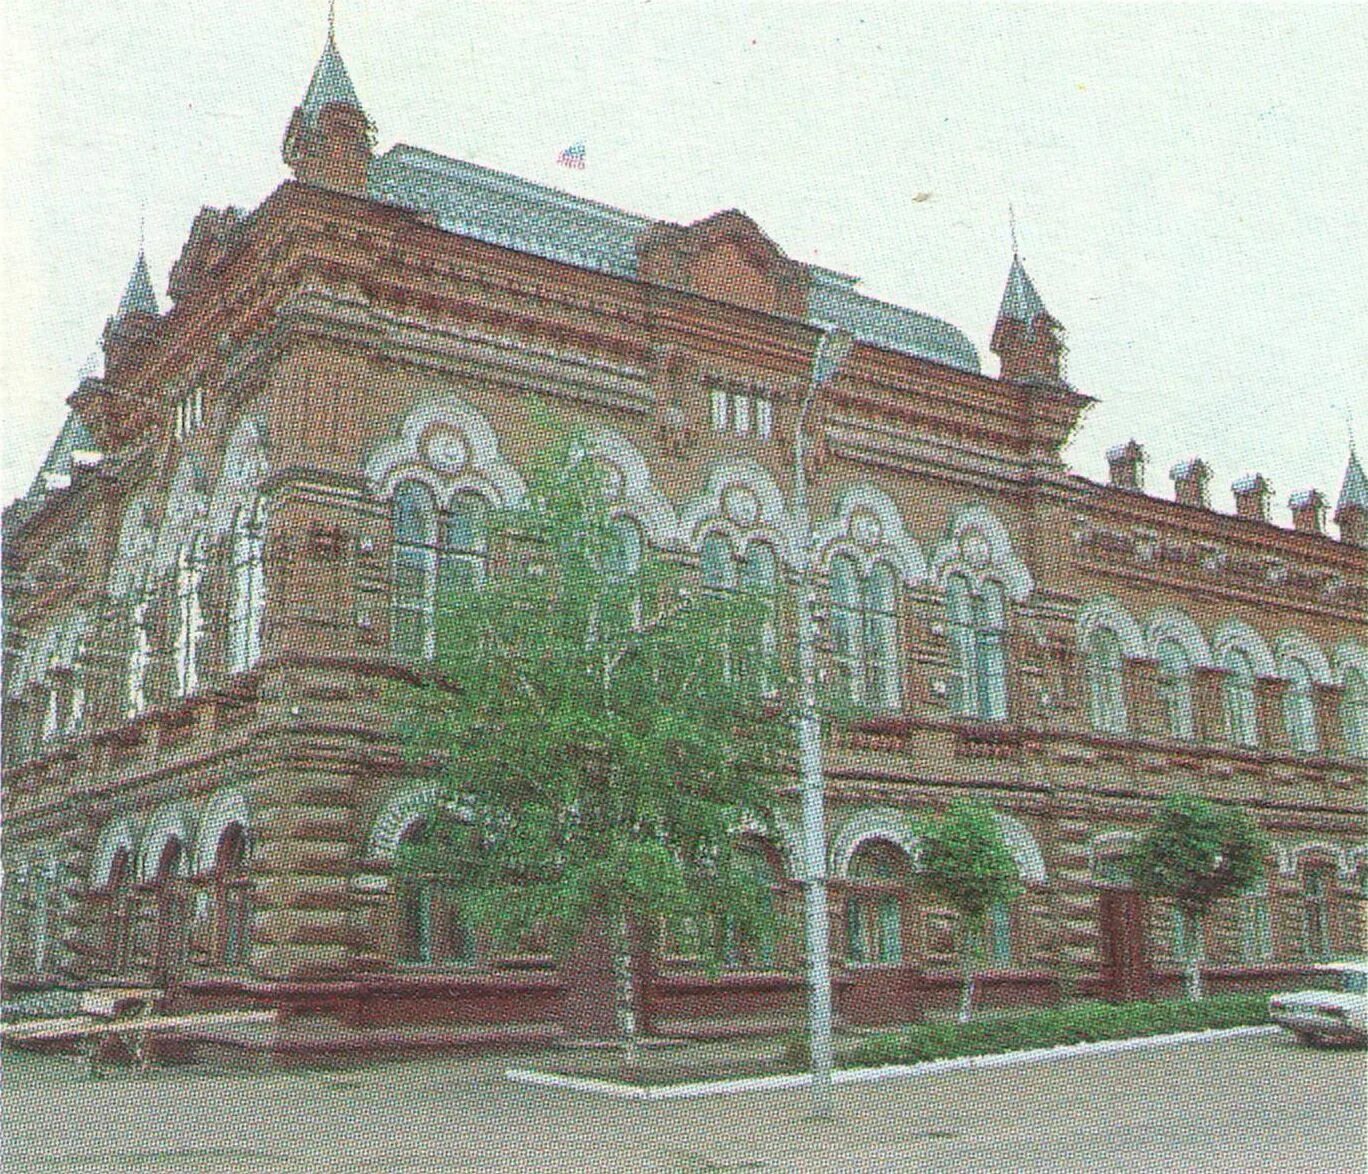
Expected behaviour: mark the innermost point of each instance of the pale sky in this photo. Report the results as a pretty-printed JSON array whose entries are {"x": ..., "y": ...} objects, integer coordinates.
[{"x": 1190, "y": 183}]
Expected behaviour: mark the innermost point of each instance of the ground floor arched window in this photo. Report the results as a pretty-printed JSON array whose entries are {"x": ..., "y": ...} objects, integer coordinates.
[
  {"x": 119, "y": 915},
  {"x": 878, "y": 873},
  {"x": 1316, "y": 882},
  {"x": 232, "y": 898},
  {"x": 429, "y": 927},
  {"x": 171, "y": 901}
]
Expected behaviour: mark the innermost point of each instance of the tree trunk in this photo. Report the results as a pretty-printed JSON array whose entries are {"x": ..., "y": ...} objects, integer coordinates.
[
  {"x": 626, "y": 993},
  {"x": 1192, "y": 976},
  {"x": 966, "y": 1004}
]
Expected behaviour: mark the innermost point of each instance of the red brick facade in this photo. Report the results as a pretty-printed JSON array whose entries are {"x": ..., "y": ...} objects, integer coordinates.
[{"x": 230, "y": 821}]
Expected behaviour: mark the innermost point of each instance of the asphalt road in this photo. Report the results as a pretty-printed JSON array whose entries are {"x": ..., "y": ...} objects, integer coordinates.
[{"x": 1239, "y": 1105}]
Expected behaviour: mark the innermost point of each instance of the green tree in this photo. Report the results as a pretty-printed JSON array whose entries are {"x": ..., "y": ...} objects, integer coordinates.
[
  {"x": 598, "y": 738},
  {"x": 964, "y": 861},
  {"x": 1194, "y": 853}
]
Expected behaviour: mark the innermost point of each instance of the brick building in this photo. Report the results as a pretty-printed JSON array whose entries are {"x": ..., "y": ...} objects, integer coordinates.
[{"x": 234, "y": 546}]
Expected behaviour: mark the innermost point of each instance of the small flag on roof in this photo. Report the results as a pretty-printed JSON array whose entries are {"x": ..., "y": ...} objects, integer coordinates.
[{"x": 572, "y": 157}]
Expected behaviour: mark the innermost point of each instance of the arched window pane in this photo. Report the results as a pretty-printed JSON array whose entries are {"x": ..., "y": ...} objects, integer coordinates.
[
  {"x": 990, "y": 610},
  {"x": 759, "y": 575},
  {"x": 874, "y": 909},
  {"x": 843, "y": 591},
  {"x": 414, "y": 572},
  {"x": 464, "y": 547},
  {"x": 1106, "y": 681},
  {"x": 881, "y": 637},
  {"x": 1241, "y": 721},
  {"x": 959, "y": 611},
  {"x": 1175, "y": 687},
  {"x": 758, "y": 569},
  {"x": 1299, "y": 708},
  {"x": 247, "y": 590}
]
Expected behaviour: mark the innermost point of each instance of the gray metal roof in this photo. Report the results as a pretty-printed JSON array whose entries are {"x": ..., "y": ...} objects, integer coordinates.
[
  {"x": 138, "y": 296},
  {"x": 515, "y": 213},
  {"x": 55, "y": 471},
  {"x": 1020, "y": 301},
  {"x": 1354, "y": 491},
  {"x": 330, "y": 83}
]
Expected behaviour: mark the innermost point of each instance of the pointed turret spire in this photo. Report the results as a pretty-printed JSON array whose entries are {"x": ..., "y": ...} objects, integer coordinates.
[
  {"x": 138, "y": 296},
  {"x": 1351, "y": 511},
  {"x": 330, "y": 82},
  {"x": 1026, "y": 336},
  {"x": 329, "y": 139}
]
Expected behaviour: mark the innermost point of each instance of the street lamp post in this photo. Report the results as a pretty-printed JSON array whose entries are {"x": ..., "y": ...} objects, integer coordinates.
[{"x": 832, "y": 350}]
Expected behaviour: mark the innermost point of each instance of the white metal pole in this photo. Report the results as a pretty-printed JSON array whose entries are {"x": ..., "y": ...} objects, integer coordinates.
[{"x": 832, "y": 349}]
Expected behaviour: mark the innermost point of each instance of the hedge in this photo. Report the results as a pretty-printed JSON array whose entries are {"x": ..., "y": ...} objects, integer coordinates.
[{"x": 1078, "y": 1023}]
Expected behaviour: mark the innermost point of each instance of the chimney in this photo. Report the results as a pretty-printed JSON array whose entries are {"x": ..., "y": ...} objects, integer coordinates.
[
  {"x": 1251, "y": 497},
  {"x": 1190, "y": 482},
  {"x": 1127, "y": 464},
  {"x": 1308, "y": 511}
]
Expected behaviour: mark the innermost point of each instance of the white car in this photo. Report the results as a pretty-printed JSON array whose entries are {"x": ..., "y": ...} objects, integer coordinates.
[{"x": 1325, "y": 1015}]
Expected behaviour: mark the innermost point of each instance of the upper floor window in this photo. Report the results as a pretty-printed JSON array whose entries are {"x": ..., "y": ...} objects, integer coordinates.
[
  {"x": 1175, "y": 687},
  {"x": 1299, "y": 707},
  {"x": 744, "y": 413},
  {"x": 1106, "y": 681},
  {"x": 1354, "y": 712},
  {"x": 247, "y": 590},
  {"x": 864, "y": 631},
  {"x": 978, "y": 623},
  {"x": 189, "y": 412},
  {"x": 756, "y": 571},
  {"x": 436, "y": 557},
  {"x": 1242, "y": 724},
  {"x": 189, "y": 617}
]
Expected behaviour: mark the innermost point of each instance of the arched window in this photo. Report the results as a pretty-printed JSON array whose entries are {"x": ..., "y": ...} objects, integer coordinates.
[
  {"x": 1354, "y": 712},
  {"x": 247, "y": 589},
  {"x": 42, "y": 901},
  {"x": 1316, "y": 913},
  {"x": 1106, "y": 681},
  {"x": 1299, "y": 707},
  {"x": 232, "y": 898},
  {"x": 431, "y": 930},
  {"x": 189, "y": 617},
  {"x": 1175, "y": 687},
  {"x": 977, "y": 630},
  {"x": 414, "y": 572},
  {"x": 756, "y": 571},
  {"x": 172, "y": 912},
  {"x": 118, "y": 944},
  {"x": 1256, "y": 930},
  {"x": 878, "y": 871},
  {"x": 139, "y": 657},
  {"x": 52, "y": 704},
  {"x": 864, "y": 632},
  {"x": 1242, "y": 726},
  {"x": 465, "y": 545},
  {"x": 76, "y": 692}
]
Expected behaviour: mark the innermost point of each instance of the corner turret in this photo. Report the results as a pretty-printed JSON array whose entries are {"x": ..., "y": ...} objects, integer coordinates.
[
  {"x": 1027, "y": 338},
  {"x": 330, "y": 139},
  {"x": 1351, "y": 511},
  {"x": 129, "y": 332}
]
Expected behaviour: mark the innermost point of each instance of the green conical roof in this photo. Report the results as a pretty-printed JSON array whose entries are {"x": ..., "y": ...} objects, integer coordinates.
[
  {"x": 1020, "y": 301},
  {"x": 1354, "y": 491},
  {"x": 138, "y": 297},
  {"x": 330, "y": 83}
]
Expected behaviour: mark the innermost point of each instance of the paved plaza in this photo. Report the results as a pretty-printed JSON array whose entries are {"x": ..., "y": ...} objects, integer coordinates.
[{"x": 1241, "y": 1105}]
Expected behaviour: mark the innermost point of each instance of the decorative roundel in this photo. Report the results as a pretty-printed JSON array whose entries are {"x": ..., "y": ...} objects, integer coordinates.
[
  {"x": 974, "y": 548},
  {"x": 866, "y": 529},
  {"x": 741, "y": 505},
  {"x": 444, "y": 448}
]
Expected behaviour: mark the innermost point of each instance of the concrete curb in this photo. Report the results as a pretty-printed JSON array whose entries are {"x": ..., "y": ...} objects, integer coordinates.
[{"x": 717, "y": 1088}]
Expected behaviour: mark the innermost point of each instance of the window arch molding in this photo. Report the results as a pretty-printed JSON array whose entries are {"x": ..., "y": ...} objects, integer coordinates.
[
  {"x": 1105, "y": 612},
  {"x": 174, "y": 821},
  {"x": 782, "y": 836},
  {"x": 885, "y": 824},
  {"x": 1021, "y": 843},
  {"x": 1237, "y": 636},
  {"x": 1290, "y": 858},
  {"x": 397, "y": 814},
  {"x": 867, "y": 526},
  {"x": 1169, "y": 623},
  {"x": 630, "y": 488},
  {"x": 449, "y": 446},
  {"x": 740, "y": 498},
  {"x": 1298, "y": 646},
  {"x": 225, "y": 807},
  {"x": 1108, "y": 637},
  {"x": 119, "y": 834},
  {"x": 977, "y": 546}
]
